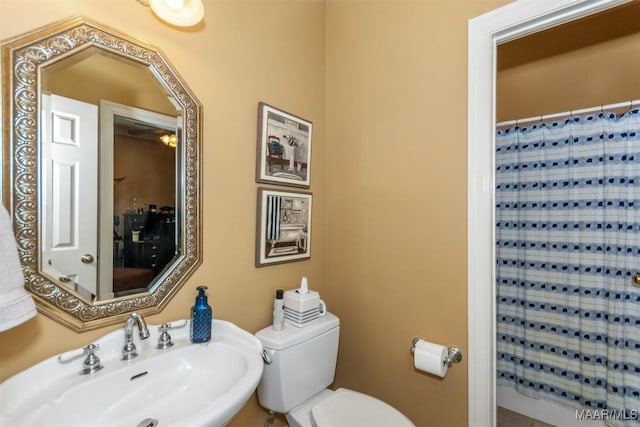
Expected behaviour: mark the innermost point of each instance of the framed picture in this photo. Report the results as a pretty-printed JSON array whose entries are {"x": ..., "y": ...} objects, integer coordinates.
[
  {"x": 284, "y": 148},
  {"x": 283, "y": 230}
]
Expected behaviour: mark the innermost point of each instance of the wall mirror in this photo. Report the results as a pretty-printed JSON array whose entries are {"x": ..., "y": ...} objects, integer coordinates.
[{"x": 100, "y": 171}]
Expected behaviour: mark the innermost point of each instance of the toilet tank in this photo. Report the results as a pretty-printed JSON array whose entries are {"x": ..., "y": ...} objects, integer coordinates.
[{"x": 303, "y": 362}]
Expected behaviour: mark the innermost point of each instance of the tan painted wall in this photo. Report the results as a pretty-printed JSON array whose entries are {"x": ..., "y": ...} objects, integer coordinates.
[
  {"x": 396, "y": 196},
  {"x": 247, "y": 51},
  {"x": 149, "y": 171},
  {"x": 591, "y": 62},
  {"x": 120, "y": 82}
]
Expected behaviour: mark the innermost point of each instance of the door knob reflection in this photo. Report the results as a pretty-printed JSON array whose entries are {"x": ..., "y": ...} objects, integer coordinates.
[{"x": 86, "y": 258}]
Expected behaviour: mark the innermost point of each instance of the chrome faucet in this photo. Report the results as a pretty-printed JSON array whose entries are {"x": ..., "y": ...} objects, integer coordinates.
[
  {"x": 129, "y": 350},
  {"x": 91, "y": 363}
]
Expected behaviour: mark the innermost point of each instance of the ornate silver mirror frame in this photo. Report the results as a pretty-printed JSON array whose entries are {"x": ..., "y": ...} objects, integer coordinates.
[{"x": 23, "y": 59}]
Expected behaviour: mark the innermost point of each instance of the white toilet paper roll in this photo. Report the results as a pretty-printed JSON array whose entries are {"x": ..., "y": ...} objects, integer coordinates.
[{"x": 430, "y": 357}]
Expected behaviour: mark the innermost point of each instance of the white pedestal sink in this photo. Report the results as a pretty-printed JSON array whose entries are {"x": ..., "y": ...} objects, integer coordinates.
[{"x": 184, "y": 385}]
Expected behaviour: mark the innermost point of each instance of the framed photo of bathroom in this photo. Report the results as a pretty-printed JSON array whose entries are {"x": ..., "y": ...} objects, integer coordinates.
[
  {"x": 284, "y": 148},
  {"x": 283, "y": 226}
]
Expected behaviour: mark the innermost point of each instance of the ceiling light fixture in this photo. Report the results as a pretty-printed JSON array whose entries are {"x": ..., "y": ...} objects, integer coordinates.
[
  {"x": 169, "y": 140},
  {"x": 182, "y": 13}
]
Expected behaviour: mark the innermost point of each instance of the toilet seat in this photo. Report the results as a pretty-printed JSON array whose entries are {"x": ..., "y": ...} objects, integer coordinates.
[{"x": 348, "y": 408}]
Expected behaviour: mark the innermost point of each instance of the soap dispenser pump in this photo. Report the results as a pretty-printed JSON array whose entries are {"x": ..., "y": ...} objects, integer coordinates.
[{"x": 201, "y": 314}]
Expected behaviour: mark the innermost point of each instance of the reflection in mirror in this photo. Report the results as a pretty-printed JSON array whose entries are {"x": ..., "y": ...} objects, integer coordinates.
[
  {"x": 76, "y": 154},
  {"x": 144, "y": 200},
  {"x": 106, "y": 165}
]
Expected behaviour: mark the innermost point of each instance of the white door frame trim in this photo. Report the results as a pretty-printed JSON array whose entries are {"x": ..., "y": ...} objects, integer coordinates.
[
  {"x": 486, "y": 32},
  {"x": 108, "y": 111}
]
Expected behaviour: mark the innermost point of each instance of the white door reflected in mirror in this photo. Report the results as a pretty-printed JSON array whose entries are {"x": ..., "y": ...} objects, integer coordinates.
[{"x": 70, "y": 179}]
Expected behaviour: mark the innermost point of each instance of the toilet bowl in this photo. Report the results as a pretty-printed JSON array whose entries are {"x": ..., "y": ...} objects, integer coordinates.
[{"x": 299, "y": 366}]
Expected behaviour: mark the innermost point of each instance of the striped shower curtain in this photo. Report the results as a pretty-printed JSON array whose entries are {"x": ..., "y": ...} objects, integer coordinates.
[
  {"x": 568, "y": 245},
  {"x": 273, "y": 217}
]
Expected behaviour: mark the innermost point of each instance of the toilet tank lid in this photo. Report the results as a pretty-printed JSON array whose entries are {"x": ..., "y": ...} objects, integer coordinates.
[{"x": 292, "y": 335}]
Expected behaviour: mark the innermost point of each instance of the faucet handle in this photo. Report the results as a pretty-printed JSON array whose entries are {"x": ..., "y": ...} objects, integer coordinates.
[
  {"x": 91, "y": 349},
  {"x": 164, "y": 341},
  {"x": 74, "y": 354},
  {"x": 91, "y": 363},
  {"x": 178, "y": 324},
  {"x": 70, "y": 355}
]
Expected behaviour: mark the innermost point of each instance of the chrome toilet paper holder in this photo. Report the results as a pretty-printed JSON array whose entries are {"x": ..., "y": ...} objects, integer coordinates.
[{"x": 454, "y": 355}]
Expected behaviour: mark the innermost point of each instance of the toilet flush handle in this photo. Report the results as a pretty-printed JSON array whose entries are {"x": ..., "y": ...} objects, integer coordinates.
[{"x": 266, "y": 358}]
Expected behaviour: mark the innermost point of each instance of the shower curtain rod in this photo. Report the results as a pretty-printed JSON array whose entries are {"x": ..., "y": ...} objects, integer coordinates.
[{"x": 629, "y": 104}]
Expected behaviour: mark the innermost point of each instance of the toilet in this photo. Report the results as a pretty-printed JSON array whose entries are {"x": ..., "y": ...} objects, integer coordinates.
[{"x": 300, "y": 364}]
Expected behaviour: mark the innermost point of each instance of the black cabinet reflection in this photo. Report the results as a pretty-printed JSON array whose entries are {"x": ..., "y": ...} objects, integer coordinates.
[{"x": 148, "y": 246}]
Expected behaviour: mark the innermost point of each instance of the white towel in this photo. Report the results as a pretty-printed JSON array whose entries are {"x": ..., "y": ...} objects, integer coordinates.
[{"x": 16, "y": 305}]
